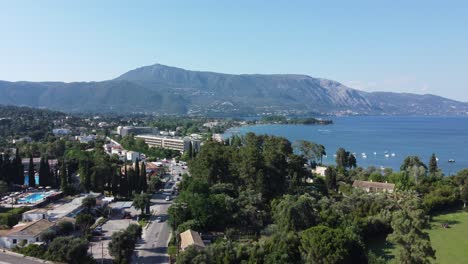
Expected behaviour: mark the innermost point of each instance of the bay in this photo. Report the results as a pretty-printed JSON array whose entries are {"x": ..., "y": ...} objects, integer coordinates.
[{"x": 396, "y": 136}]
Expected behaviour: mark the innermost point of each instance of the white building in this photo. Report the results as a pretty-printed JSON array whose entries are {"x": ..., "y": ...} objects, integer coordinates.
[
  {"x": 133, "y": 156},
  {"x": 24, "y": 233},
  {"x": 320, "y": 170},
  {"x": 127, "y": 130},
  {"x": 174, "y": 143},
  {"x": 35, "y": 214},
  {"x": 61, "y": 131}
]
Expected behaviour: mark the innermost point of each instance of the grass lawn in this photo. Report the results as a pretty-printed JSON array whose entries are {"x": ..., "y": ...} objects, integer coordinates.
[{"x": 451, "y": 244}]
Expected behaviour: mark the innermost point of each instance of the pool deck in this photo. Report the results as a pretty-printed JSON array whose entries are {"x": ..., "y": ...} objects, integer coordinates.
[{"x": 12, "y": 201}]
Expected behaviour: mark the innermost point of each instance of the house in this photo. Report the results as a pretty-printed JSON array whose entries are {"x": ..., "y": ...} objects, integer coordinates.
[
  {"x": 61, "y": 131},
  {"x": 320, "y": 170},
  {"x": 370, "y": 186},
  {"x": 191, "y": 238},
  {"x": 24, "y": 233},
  {"x": 35, "y": 214}
]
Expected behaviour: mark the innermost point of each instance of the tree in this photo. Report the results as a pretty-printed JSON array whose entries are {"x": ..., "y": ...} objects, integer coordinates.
[
  {"x": 136, "y": 180},
  {"x": 31, "y": 173},
  {"x": 71, "y": 250},
  {"x": 116, "y": 178},
  {"x": 410, "y": 162},
  {"x": 464, "y": 195},
  {"x": 321, "y": 244},
  {"x": 295, "y": 213},
  {"x": 44, "y": 172},
  {"x": 143, "y": 180},
  {"x": 89, "y": 202},
  {"x": 190, "y": 150},
  {"x": 48, "y": 236},
  {"x": 344, "y": 159},
  {"x": 433, "y": 164},
  {"x": 19, "y": 169},
  {"x": 309, "y": 150},
  {"x": 141, "y": 201},
  {"x": 330, "y": 178},
  {"x": 65, "y": 228},
  {"x": 63, "y": 176},
  {"x": 84, "y": 221},
  {"x": 408, "y": 223},
  {"x": 85, "y": 174},
  {"x": 123, "y": 243}
]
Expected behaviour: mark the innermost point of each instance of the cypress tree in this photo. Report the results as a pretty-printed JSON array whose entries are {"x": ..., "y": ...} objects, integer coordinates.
[
  {"x": 433, "y": 164},
  {"x": 144, "y": 183},
  {"x": 190, "y": 150},
  {"x": 31, "y": 172},
  {"x": 63, "y": 176},
  {"x": 7, "y": 168},
  {"x": 2, "y": 173},
  {"x": 42, "y": 172},
  {"x": 137, "y": 177},
  {"x": 123, "y": 185},
  {"x": 19, "y": 179},
  {"x": 115, "y": 182}
]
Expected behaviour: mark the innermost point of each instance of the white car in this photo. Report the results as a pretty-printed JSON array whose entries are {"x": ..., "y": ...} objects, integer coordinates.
[
  {"x": 158, "y": 219},
  {"x": 168, "y": 198}
]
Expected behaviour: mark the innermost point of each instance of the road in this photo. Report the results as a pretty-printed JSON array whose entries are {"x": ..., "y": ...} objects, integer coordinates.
[
  {"x": 153, "y": 247},
  {"x": 13, "y": 259}
]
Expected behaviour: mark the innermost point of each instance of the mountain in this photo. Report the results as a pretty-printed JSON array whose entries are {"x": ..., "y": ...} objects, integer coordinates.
[{"x": 169, "y": 90}]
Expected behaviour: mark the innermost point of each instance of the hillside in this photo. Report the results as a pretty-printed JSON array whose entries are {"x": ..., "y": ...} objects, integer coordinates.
[{"x": 169, "y": 90}]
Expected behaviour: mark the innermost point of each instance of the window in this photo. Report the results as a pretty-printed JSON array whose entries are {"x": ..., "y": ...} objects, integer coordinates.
[
  {"x": 37, "y": 239},
  {"x": 14, "y": 241}
]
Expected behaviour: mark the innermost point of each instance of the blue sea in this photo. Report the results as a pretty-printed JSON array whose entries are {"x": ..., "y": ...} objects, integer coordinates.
[{"x": 376, "y": 136}]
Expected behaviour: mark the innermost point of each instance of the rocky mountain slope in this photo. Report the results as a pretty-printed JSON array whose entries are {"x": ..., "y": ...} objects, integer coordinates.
[{"x": 169, "y": 90}]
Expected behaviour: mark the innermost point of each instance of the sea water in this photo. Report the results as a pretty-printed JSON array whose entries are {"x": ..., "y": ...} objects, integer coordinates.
[{"x": 383, "y": 141}]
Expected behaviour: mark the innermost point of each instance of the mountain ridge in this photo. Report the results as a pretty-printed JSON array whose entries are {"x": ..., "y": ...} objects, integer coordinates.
[{"x": 165, "y": 89}]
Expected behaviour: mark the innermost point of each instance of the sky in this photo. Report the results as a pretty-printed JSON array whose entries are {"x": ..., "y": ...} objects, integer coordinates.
[{"x": 400, "y": 46}]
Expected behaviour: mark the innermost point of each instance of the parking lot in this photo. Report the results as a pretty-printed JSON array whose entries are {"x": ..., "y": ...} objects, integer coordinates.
[{"x": 99, "y": 247}]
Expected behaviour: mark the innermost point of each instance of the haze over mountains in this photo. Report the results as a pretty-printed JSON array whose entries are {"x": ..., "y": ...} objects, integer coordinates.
[{"x": 169, "y": 90}]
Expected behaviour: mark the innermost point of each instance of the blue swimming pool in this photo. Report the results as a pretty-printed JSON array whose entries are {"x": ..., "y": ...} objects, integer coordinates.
[{"x": 33, "y": 198}]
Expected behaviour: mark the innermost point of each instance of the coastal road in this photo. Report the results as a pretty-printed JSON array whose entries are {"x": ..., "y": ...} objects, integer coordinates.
[
  {"x": 155, "y": 238},
  {"x": 17, "y": 259}
]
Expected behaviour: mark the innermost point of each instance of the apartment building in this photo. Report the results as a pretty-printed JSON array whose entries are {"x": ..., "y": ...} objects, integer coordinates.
[{"x": 174, "y": 143}]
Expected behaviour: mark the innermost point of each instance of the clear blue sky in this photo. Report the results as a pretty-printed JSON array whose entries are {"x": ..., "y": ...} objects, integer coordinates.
[{"x": 410, "y": 46}]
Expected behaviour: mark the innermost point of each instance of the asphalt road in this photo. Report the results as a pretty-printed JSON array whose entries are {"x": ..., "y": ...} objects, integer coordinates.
[
  {"x": 11, "y": 259},
  {"x": 153, "y": 247}
]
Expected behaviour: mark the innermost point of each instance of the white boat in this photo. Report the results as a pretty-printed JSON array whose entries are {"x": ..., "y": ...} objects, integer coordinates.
[
  {"x": 437, "y": 159},
  {"x": 387, "y": 155},
  {"x": 393, "y": 154},
  {"x": 375, "y": 153}
]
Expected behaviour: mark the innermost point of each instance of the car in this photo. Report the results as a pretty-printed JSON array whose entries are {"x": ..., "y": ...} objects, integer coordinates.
[
  {"x": 168, "y": 198},
  {"x": 159, "y": 219},
  {"x": 127, "y": 215}
]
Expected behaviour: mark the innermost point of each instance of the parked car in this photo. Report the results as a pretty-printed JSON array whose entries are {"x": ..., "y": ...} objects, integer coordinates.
[
  {"x": 127, "y": 215},
  {"x": 168, "y": 198},
  {"x": 159, "y": 219}
]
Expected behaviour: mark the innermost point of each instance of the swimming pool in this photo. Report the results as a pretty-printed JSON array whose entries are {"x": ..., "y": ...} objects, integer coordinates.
[{"x": 33, "y": 198}]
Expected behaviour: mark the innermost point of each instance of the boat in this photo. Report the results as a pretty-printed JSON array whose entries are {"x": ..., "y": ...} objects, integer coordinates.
[
  {"x": 437, "y": 159},
  {"x": 375, "y": 153},
  {"x": 393, "y": 154},
  {"x": 387, "y": 155},
  {"x": 451, "y": 161}
]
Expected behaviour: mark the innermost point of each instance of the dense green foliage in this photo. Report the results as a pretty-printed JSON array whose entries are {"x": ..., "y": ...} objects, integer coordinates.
[{"x": 123, "y": 243}]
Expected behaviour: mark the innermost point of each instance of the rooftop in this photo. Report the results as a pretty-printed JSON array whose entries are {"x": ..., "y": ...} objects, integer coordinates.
[
  {"x": 28, "y": 229},
  {"x": 190, "y": 238}
]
